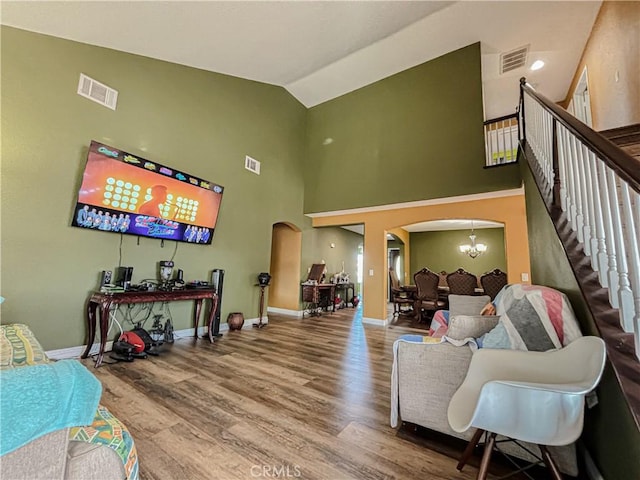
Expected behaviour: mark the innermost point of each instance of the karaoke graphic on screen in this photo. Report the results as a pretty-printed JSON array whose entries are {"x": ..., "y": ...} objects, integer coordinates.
[{"x": 123, "y": 193}]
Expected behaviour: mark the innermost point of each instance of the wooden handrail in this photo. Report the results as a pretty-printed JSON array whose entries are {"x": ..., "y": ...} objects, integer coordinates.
[
  {"x": 500, "y": 119},
  {"x": 620, "y": 344},
  {"x": 627, "y": 167}
]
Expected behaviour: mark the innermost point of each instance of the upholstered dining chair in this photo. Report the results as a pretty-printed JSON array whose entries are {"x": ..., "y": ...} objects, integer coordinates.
[
  {"x": 493, "y": 281},
  {"x": 535, "y": 397},
  {"x": 399, "y": 297},
  {"x": 426, "y": 299},
  {"x": 462, "y": 282}
]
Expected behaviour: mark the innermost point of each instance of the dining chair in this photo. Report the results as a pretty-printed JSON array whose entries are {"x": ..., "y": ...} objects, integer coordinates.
[
  {"x": 426, "y": 299},
  {"x": 462, "y": 282},
  {"x": 399, "y": 297},
  {"x": 493, "y": 281}
]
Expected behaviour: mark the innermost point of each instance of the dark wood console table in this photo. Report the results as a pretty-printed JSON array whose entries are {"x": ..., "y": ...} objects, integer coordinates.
[{"x": 106, "y": 300}]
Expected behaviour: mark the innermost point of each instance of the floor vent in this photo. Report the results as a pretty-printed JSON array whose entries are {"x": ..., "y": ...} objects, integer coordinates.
[
  {"x": 98, "y": 92},
  {"x": 514, "y": 59},
  {"x": 252, "y": 165}
]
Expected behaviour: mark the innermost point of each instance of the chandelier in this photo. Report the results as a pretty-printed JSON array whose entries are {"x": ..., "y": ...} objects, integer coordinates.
[{"x": 473, "y": 249}]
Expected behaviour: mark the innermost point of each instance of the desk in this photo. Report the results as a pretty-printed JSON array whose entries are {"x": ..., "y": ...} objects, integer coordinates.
[
  {"x": 106, "y": 300},
  {"x": 345, "y": 287},
  {"x": 317, "y": 296}
]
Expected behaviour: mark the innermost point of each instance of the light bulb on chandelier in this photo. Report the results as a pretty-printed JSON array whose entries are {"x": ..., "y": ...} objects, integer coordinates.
[{"x": 473, "y": 249}]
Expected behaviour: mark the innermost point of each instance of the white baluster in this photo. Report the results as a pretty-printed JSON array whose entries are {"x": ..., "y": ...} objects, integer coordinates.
[
  {"x": 633, "y": 255},
  {"x": 562, "y": 165},
  {"x": 487, "y": 149},
  {"x": 598, "y": 245},
  {"x": 612, "y": 271},
  {"x": 589, "y": 231},
  {"x": 625, "y": 296},
  {"x": 579, "y": 192},
  {"x": 573, "y": 209}
]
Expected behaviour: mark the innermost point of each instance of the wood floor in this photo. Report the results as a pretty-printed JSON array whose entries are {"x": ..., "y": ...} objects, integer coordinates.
[{"x": 301, "y": 398}]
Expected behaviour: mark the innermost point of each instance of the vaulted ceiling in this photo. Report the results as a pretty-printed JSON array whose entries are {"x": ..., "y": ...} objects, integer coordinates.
[{"x": 321, "y": 50}]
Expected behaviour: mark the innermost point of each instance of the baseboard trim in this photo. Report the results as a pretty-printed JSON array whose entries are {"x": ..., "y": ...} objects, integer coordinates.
[
  {"x": 375, "y": 321},
  {"x": 284, "y": 311},
  {"x": 76, "y": 352}
]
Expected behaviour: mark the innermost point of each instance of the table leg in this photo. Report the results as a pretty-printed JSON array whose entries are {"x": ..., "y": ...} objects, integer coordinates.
[
  {"x": 91, "y": 327},
  {"x": 104, "y": 325},
  {"x": 212, "y": 316},
  {"x": 196, "y": 317}
]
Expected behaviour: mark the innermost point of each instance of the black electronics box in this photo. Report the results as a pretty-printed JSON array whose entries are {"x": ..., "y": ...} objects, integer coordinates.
[{"x": 123, "y": 277}]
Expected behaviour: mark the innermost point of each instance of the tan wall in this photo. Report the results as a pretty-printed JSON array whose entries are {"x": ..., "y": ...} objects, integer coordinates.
[
  {"x": 405, "y": 237},
  {"x": 286, "y": 249},
  {"x": 614, "y": 46},
  {"x": 509, "y": 210}
]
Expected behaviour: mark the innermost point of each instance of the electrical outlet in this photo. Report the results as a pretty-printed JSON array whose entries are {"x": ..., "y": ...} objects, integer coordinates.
[{"x": 371, "y": 272}]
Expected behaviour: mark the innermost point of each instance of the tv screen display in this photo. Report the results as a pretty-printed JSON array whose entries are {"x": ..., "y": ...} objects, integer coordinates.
[{"x": 125, "y": 193}]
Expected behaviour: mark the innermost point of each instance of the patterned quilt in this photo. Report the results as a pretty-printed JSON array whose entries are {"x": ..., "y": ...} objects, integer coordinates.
[
  {"x": 107, "y": 430},
  {"x": 20, "y": 348}
]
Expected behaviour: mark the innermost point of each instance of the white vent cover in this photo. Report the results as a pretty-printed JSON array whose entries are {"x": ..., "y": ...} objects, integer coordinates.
[
  {"x": 514, "y": 59},
  {"x": 252, "y": 165},
  {"x": 98, "y": 92}
]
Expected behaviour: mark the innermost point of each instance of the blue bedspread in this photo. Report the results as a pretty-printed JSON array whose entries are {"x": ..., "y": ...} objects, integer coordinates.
[{"x": 40, "y": 399}]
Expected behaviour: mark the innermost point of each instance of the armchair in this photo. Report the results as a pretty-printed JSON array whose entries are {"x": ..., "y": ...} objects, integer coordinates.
[
  {"x": 536, "y": 397},
  {"x": 427, "y": 373}
]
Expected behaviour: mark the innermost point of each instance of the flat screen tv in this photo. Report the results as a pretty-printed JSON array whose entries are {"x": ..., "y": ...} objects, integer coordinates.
[{"x": 125, "y": 193}]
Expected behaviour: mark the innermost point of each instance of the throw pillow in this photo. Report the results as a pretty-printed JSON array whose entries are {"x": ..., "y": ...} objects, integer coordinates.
[
  {"x": 467, "y": 304},
  {"x": 533, "y": 317},
  {"x": 471, "y": 326}
]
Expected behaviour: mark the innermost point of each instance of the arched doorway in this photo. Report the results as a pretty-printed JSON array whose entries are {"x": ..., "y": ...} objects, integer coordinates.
[{"x": 286, "y": 249}]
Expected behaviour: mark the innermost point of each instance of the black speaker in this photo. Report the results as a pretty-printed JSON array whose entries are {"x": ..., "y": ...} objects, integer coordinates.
[
  {"x": 217, "y": 280},
  {"x": 105, "y": 278},
  {"x": 123, "y": 277}
]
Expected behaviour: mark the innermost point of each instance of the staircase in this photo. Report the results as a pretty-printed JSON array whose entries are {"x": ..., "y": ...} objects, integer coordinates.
[
  {"x": 591, "y": 190},
  {"x": 627, "y": 138}
]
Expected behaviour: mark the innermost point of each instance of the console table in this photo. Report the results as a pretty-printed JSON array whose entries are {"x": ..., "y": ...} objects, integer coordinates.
[
  {"x": 106, "y": 300},
  {"x": 345, "y": 287}
]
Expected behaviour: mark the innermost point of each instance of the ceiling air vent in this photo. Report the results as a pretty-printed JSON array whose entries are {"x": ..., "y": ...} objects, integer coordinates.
[
  {"x": 252, "y": 164},
  {"x": 98, "y": 92},
  {"x": 514, "y": 59}
]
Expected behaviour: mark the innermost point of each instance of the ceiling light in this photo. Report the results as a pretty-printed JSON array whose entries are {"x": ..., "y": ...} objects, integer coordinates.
[
  {"x": 474, "y": 249},
  {"x": 537, "y": 65}
]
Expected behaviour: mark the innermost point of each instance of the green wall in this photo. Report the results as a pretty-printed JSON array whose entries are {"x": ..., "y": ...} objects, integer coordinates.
[
  {"x": 318, "y": 248},
  {"x": 412, "y": 136},
  {"x": 201, "y": 122},
  {"x": 438, "y": 251},
  {"x": 610, "y": 433}
]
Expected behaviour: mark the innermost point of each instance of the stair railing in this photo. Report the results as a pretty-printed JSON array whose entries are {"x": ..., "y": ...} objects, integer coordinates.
[
  {"x": 501, "y": 140},
  {"x": 592, "y": 192}
]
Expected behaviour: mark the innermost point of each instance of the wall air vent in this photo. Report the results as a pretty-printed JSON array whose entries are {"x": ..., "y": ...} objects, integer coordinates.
[
  {"x": 98, "y": 92},
  {"x": 252, "y": 165},
  {"x": 514, "y": 59}
]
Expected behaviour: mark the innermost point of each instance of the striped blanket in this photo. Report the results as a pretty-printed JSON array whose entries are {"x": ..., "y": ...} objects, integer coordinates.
[{"x": 532, "y": 317}]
